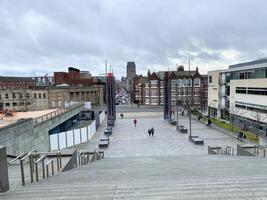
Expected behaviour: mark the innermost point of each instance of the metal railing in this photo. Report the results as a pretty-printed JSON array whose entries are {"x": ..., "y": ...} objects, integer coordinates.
[
  {"x": 46, "y": 161},
  {"x": 55, "y": 113},
  {"x": 39, "y": 158},
  {"x": 87, "y": 157},
  {"x": 228, "y": 150},
  {"x": 29, "y": 155}
]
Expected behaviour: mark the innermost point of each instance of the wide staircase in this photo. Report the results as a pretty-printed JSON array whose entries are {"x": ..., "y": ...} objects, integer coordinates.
[{"x": 159, "y": 177}]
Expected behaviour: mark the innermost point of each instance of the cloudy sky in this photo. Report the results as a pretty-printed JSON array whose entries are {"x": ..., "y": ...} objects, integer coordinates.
[{"x": 42, "y": 36}]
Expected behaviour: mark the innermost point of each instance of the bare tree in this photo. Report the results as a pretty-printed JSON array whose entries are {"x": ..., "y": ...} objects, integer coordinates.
[
  {"x": 233, "y": 111},
  {"x": 258, "y": 118}
]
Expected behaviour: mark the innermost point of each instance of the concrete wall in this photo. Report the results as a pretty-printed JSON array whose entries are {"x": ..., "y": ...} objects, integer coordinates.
[
  {"x": 18, "y": 137},
  {"x": 23, "y": 136},
  {"x": 4, "y": 184}
]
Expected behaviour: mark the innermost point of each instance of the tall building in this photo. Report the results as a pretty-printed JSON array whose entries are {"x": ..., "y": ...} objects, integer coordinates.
[
  {"x": 240, "y": 91},
  {"x": 131, "y": 70}
]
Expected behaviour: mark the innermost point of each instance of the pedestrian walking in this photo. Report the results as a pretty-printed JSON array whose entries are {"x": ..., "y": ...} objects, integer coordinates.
[
  {"x": 152, "y": 131},
  {"x": 149, "y": 131},
  {"x": 121, "y": 115},
  {"x": 135, "y": 122}
]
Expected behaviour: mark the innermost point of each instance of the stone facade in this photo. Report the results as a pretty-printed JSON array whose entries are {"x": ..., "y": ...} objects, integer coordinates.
[{"x": 41, "y": 98}]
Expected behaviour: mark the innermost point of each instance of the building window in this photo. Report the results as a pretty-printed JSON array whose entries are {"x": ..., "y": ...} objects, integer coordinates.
[
  {"x": 210, "y": 79},
  {"x": 6, "y": 96},
  {"x": 197, "y": 82},
  {"x": 20, "y": 96},
  {"x": 35, "y": 95},
  {"x": 27, "y": 95},
  {"x": 13, "y": 95},
  {"x": 44, "y": 96},
  {"x": 7, "y": 104},
  {"x": 40, "y": 95},
  {"x": 14, "y": 103}
]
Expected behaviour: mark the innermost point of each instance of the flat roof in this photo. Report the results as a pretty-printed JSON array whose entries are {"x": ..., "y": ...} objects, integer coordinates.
[
  {"x": 4, "y": 121},
  {"x": 254, "y": 62}
]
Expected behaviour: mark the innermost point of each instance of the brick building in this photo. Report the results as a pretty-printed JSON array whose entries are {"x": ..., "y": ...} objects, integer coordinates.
[
  {"x": 8, "y": 82},
  {"x": 72, "y": 77},
  {"x": 191, "y": 86}
]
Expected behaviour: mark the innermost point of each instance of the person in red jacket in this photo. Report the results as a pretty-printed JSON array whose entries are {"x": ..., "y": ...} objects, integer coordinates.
[{"x": 135, "y": 122}]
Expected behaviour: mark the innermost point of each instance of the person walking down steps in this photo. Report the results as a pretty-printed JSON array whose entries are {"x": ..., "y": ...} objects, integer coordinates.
[{"x": 135, "y": 122}]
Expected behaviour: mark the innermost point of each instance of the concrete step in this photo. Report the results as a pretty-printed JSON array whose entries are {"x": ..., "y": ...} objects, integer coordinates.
[{"x": 166, "y": 177}]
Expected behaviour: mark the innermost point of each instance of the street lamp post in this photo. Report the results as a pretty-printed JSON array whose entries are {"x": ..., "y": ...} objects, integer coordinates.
[{"x": 189, "y": 101}]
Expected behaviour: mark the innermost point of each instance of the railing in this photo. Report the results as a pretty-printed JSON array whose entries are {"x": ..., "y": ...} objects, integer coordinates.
[
  {"x": 29, "y": 155},
  {"x": 34, "y": 160},
  {"x": 44, "y": 159},
  {"x": 60, "y": 111},
  {"x": 87, "y": 157},
  {"x": 221, "y": 150}
]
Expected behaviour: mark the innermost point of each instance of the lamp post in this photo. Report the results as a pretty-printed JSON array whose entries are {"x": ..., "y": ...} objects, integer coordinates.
[{"x": 189, "y": 101}]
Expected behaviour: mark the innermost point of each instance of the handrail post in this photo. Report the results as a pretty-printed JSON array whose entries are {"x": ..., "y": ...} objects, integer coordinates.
[
  {"x": 52, "y": 166},
  {"x": 31, "y": 167},
  {"x": 60, "y": 161},
  {"x": 22, "y": 172},
  {"x": 57, "y": 162},
  {"x": 36, "y": 171},
  {"x": 43, "y": 166},
  {"x": 47, "y": 171}
]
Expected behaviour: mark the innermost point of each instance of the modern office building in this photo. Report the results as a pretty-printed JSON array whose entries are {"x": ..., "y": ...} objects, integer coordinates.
[{"x": 241, "y": 92}]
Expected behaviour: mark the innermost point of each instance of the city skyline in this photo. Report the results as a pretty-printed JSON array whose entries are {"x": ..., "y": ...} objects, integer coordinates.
[{"x": 42, "y": 37}]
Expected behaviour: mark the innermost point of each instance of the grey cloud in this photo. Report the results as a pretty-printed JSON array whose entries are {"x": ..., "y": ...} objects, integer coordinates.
[{"x": 44, "y": 36}]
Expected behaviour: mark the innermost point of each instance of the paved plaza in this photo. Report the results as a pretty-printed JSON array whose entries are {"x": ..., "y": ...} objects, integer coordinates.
[{"x": 130, "y": 141}]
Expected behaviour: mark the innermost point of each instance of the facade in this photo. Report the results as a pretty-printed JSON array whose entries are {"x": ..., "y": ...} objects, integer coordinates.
[
  {"x": 184, "y": 87},
  {"x": 8, "y": 82},
  {"x": 44, "y": 80},
  {"x": 59, "y": 95},
  {"x": 23, "y": 99},
  {"x": 213, "y": 92},
  {"x": 73, "y": 77},
  {"x": 41, "y": 98},
  {"x": 241, "y": 93}
]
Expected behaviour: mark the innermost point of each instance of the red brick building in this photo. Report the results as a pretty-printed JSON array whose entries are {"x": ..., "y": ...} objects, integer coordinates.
[
  {"x": 72, "y": 77},
  {"x": 7, "y": 82},
  {"x": 149, "y": 90}
]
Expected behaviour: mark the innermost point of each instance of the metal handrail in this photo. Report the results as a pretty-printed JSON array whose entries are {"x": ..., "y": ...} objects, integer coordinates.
[
  {"x": 43, "y": 167},
  {"x": 29, "y": 155},
  {"x": 59, "y": 159},
  {"x": 51, "y": 161},
  {"x": 18, "y": 157}
]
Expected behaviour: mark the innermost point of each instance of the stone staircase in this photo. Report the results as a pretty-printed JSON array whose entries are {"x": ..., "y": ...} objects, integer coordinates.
[{"x": 155, "y": 177}]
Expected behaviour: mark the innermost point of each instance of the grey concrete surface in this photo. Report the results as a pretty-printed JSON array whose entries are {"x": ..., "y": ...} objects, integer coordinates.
[
  {"x": 130, "y": 141},
  {"x": 166, "y": 166}
]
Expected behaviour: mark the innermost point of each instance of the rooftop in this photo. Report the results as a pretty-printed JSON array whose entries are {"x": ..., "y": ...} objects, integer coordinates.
[{"x": 4, "y": 121}]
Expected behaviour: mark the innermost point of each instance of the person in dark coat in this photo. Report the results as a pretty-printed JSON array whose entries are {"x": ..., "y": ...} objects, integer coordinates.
[
  {"x": 135, "y": 122},
  {"x": 149, "y": 131},
  {"x": 152, "y": 131}
]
